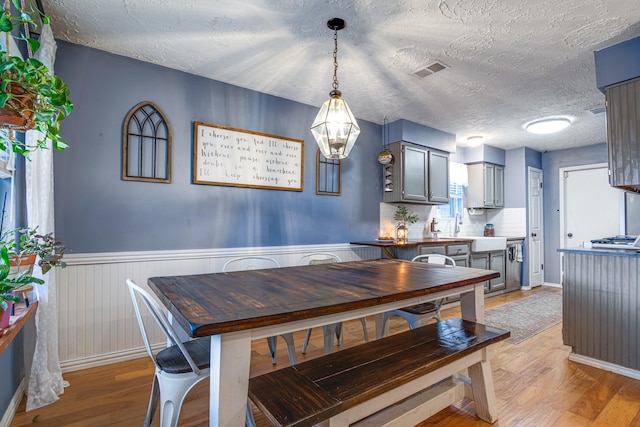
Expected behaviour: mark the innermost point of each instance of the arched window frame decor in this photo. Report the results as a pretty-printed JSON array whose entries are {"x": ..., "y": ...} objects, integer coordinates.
[
  {"x": 328, "y": 176},
  {"x": 146, "y": 123}
]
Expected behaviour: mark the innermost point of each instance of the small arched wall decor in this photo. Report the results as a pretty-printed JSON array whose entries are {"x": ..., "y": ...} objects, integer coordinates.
[
  {"x": 146, "y": 145},
  {"x": 328, "y": 175}
]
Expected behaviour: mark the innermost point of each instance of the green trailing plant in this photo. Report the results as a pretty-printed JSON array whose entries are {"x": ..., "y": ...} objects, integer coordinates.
[
  {"x": 47, "y": 247},
  {"x": 28, "y": 89},
  {"x": 405, "y": 216}
]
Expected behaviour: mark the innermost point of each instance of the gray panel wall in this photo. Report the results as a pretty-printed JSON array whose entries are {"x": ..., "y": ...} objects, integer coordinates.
[
  {"x": 98, "y": 212},
  {"x": 552, "y": 161},
  {"x": 600, "y": 309}
]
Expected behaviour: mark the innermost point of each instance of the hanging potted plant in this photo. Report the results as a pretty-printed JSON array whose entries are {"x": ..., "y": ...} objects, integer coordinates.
[{"x": 30, "y": 96}]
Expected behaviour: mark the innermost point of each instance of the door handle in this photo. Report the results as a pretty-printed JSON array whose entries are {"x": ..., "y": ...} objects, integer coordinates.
[
  {"x": 534, "y": 235},
  {"x": 570, "y": 235}
]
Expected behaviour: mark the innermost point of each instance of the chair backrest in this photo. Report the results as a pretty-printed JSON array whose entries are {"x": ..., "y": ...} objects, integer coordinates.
[
  {"x": 250, "y": 263},
  {"x": 319, "y": 258},
  {"x": 436, "y": 259},
  {"x": 138, "y": 294}
]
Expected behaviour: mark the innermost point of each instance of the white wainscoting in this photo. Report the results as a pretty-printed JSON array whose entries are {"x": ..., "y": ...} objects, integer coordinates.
[{"x": 97, "y": 324}]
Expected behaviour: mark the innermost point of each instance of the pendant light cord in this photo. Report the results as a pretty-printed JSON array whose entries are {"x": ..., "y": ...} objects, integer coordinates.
[{"x": 335, "y": 59}]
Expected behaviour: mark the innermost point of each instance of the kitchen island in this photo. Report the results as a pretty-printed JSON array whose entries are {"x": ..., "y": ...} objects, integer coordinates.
[{"x": 601, "y": 298}]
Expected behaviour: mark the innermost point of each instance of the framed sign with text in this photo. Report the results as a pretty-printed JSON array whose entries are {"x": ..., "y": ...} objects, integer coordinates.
[{"x": 242, "y": 158}]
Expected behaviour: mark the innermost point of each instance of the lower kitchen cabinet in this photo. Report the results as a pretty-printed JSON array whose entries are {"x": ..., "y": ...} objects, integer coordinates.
[{"x": 494, "y": 260}]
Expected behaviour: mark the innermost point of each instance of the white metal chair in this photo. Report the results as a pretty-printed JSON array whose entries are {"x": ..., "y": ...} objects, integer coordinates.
[
  {"x": 258, "y": 263},
  {"x": 421, "y": 314},
  {"x": 179, "y": 367},
  {"x": 329, "y": 330}
]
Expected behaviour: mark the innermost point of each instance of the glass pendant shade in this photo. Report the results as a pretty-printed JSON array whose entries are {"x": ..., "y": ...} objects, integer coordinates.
[{"x": 335, "y": 129}]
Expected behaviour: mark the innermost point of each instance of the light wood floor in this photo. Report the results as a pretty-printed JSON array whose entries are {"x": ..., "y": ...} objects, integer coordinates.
[{"x": 535, "y": 384}]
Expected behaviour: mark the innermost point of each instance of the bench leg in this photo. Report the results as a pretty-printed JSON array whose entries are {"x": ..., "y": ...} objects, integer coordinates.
[{"x": 484, "y": 394}]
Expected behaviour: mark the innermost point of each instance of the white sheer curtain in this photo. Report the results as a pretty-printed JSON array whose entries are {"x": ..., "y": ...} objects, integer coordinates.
[{"x": 45, "y": 379}]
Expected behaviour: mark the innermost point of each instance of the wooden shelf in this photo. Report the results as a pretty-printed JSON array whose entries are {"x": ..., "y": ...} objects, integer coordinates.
[{"x": 22, "y": 315}]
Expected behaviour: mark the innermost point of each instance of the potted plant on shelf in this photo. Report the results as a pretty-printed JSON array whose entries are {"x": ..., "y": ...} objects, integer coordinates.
[
  {"x": 17, "y": 257},
  {"x": 9, "y": 283},
  {"x": 30, "y": 96},
  {"x": 404, "y": 217}
]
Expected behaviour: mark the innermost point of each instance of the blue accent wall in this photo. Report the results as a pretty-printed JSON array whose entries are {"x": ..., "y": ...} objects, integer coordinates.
[
  {"x": 96, "y": 211},
  {"x": 485, "y": 153},
  {"x": 617, "y": 63},
  {"x": 405, "y": 130},
  {"x": 552, "y": 161}
]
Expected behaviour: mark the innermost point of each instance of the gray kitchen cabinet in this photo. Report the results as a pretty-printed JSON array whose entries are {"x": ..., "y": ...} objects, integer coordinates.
[
  {"x": 623, "y": 135},
  {"x": 486, "y": 185},
  {"x": 417, "y": 175},
  {"x": 494, "y": 260}
]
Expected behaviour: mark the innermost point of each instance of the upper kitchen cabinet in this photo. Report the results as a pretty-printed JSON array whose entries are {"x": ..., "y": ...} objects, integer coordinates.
[
  {"x": 417, "y": 175},
  {"x": 623, "y": 135},
  {"x": 618, "y": 76},
  {"x": 486, "y": 186}
]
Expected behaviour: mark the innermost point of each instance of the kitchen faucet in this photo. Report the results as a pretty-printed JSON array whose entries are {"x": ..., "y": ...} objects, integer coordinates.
[{"x": 456, "y": 226}]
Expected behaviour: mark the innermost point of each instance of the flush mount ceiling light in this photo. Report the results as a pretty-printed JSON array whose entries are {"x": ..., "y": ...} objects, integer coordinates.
[
  {"x": 548, "y": 125},
  {"x": 475, "y": 140},
  {"x": 335, "y": 129}
]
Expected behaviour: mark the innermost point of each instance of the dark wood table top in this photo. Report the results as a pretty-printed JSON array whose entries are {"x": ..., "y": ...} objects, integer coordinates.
[{"x": 216, "y": 303}]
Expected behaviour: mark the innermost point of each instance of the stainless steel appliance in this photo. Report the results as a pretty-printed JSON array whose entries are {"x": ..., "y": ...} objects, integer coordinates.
[
  {"x": 617, "y": 242},
  {"x": 632, "y": 214}
]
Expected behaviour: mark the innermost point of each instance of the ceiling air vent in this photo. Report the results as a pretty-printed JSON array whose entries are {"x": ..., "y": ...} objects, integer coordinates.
[{"x": 432, "y": 68}]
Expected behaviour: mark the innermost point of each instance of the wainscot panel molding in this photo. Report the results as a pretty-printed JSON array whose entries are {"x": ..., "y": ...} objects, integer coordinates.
[{"x": 96, "y": 321}]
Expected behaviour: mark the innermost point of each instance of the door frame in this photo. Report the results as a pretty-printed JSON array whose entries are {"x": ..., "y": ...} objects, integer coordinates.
[
  {"x": 528, "y": 236},
  {"x": 562, "y": 200}
]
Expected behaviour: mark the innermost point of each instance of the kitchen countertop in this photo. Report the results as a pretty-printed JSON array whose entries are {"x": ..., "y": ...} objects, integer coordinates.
[
  {"x": 602, "y": 252},
  {"x": 412, "y": 243}
]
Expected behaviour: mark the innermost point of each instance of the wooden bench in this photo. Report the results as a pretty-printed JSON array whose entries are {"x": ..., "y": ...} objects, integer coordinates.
[{"x": 398, "y": 380}]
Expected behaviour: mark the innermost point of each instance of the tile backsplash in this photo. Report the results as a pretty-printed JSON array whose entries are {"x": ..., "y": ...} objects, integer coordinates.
[{"x": 506, "y": 222}]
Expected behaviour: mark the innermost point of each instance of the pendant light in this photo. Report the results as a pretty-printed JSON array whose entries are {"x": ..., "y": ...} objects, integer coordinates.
[{"x": 335, "y": 129}]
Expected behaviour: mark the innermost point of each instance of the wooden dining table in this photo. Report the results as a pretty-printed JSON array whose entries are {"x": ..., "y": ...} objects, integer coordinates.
[{"x": 237, "y": 307}]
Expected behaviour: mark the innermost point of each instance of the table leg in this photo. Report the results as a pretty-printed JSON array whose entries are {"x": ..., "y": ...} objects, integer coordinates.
[
  {"x": 472, "y": 304},
  {"x": 387, "y": 253},
  {"x": 230, "y": 363}
]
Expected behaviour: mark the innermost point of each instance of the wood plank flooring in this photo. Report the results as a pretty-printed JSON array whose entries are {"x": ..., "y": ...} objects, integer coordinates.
[{"x": 536, "y": 386}]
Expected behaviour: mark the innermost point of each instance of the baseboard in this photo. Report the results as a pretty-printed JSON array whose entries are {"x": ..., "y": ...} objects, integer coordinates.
[
  {"x": 107, "y": 358},
  {"x": 600, "y": 364},
  {"x": 13, "y": 405},
  {"x": 552, "y": 285}
]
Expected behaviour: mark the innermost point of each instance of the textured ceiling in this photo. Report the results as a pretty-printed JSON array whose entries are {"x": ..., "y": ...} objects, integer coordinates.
[{"x": 509, "y": 62}]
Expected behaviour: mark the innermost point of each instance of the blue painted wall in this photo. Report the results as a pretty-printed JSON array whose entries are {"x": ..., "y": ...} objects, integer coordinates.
[
  {"x": 617, "y": 63},
  {"x": 552, "y": 161},
  {"x": 405, "y": 130},
  {"x": 98, "y": 212},
  {"x": 485, "y": 153}
]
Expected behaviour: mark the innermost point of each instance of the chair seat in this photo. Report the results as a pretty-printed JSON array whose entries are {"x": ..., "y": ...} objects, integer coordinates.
[
  {"x": 171, "y": 360},
  {"x": 424, "y": 308}
]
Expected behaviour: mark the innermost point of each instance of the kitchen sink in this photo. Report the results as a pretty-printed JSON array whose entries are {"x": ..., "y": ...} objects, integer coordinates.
[{"x": 485, "y": 244}]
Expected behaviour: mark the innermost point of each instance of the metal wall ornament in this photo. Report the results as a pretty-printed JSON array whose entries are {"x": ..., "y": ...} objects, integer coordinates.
[
  {"x": 335, "y": 128},
  {"x": 146, "y": 145}
]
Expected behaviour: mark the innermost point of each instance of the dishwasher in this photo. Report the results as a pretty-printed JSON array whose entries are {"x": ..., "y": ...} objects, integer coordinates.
[{"x": 513, "y": 273}]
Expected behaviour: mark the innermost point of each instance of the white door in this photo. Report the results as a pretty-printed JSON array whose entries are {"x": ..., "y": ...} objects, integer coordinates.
[
  {"x": 535, "y": 237},
  {"x": 590, "y": 207}
]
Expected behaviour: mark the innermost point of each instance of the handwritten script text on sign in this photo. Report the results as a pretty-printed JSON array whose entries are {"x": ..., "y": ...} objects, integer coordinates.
[{"x": 235, "y": 157}]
